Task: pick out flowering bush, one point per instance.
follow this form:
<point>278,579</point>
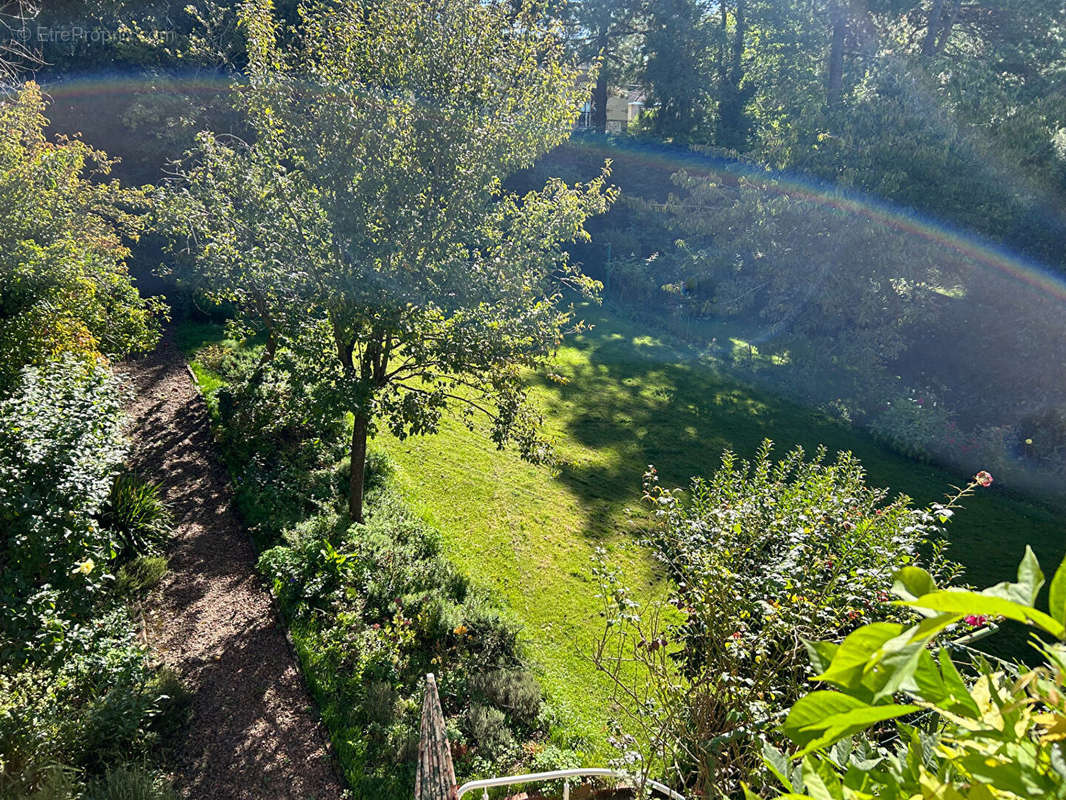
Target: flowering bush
<point>60,446</point>
<point>766,555</point>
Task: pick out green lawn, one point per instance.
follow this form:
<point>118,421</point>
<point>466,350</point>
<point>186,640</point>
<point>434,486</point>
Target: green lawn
<point>630,400</point>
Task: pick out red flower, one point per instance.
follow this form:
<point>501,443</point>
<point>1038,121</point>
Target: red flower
<point>975,619</point>
<point>983,478</point>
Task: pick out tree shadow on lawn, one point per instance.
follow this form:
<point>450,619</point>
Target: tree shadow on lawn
<point>638,400</point>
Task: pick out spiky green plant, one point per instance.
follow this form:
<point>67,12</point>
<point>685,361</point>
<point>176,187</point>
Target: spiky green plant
<point>137,515</point>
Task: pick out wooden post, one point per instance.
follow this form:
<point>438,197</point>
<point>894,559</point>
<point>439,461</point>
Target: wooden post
<point>435,778</point>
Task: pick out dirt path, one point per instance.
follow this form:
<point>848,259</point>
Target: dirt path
<point>252,732</point>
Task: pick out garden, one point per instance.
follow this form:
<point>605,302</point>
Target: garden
<point>347,341</point>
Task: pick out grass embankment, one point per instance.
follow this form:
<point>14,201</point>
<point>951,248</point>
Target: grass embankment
<point>630,400</point>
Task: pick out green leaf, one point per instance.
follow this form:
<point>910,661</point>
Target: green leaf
<point>849,661</point>
<point>912,582</point>
<point>814,708</point>
<point>1057,594</point>
<point>965,602</point>
<point>777,762</point>
<point>956,687</point>
<point>821,781</point>
<point>894,665</point>
<point>820,654</point>
<point>1008,773</point>
<point>1025,590</point>
<point>925,680</point>
<point>821,718</point>
<point>1057,758</point>
<point>1030,576</point>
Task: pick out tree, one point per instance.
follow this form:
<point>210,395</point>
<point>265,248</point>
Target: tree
<point>676,51</point>
<point>366,227</point>
<point>844,288</point>
<point>15,52</point>
<point>606,32</point>
<point>64,286</point>
<point>733,95</point>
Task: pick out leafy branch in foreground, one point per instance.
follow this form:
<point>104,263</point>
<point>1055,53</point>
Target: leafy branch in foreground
<point>996,734</point>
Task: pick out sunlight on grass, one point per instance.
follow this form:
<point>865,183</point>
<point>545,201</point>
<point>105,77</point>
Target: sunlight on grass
<point>622,400</point>
<point>529,532</point>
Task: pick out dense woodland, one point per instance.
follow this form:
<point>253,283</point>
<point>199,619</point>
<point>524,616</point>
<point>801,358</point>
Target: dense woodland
<point>441,333</point>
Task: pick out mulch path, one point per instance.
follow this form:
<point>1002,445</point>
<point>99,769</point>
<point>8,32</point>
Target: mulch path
<point>253,732</point>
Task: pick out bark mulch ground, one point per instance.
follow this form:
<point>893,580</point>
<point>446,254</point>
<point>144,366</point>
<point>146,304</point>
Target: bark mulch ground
<point>252,733</point>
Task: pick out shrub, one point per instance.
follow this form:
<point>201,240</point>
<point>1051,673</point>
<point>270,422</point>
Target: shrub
<point>990,731</point>
<point>488,728</point>
<point>766,555</point>
<point>511,689</point>
<point>282,457</point>
<point>34,731</point>
<point>66,288</point>
<point>136,513</point>
<point>129,783</point>
<point>913,423</point>
<point>87,698</point>
<point>1042,436</point>
<point>375,607</point>
<point>60,446</point>
<point>77,692</point>
<point>136,578</point>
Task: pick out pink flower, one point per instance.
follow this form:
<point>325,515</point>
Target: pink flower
<point>983,478</point>
<point>975,619</point>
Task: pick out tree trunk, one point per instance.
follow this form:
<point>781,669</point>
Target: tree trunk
<point>739,32</point>
<point>358,468</point>
<point>946,29</point>
<point>835,81</point>
<point>599,93</point>
<point>935,13</point>
<point>723,19</point>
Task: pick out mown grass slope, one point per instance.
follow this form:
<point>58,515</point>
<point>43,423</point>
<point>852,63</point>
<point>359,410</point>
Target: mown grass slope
<point>626,400</point>
<point>631,400</point>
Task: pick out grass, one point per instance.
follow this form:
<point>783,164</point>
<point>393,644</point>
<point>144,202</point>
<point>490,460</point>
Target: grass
<point>629,400</point>
<point>190,337</point>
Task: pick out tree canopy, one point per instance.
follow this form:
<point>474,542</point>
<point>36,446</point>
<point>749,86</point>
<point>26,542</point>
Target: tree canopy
<point>365,226</point>
<point>63,247</point>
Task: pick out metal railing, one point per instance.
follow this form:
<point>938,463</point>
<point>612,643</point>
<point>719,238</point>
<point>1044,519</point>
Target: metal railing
<point>564,775</point>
